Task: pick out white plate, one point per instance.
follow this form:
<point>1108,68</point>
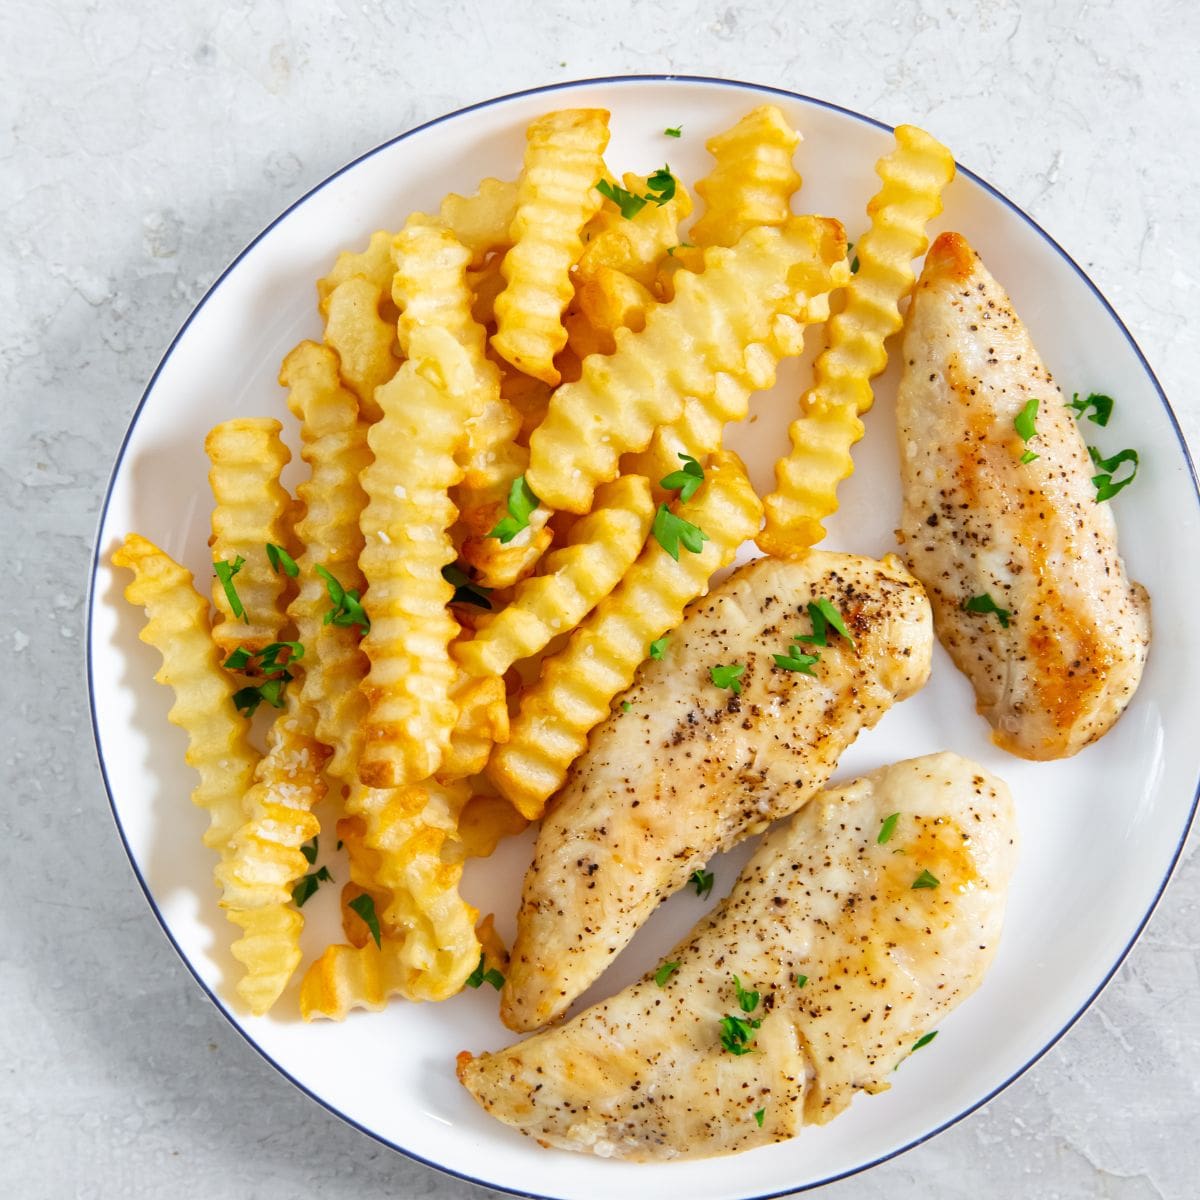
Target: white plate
<point>1100,832</point>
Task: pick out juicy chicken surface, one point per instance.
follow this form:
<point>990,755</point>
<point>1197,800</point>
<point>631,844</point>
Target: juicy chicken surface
<point>645,1075</point>
<point>979,522</point>
<point>690,769</point>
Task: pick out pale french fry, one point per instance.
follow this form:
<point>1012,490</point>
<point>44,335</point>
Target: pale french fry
<point>481,222</point>
<point>405,525</point>
<point>610,300</point>
<point>753,180</point>
<point>363,338</point>
<point>482,722</point>
<point>264,861</point>
<point>577,686</point>
<point>252,509</point>
<point>556,197</point>
<point>913,177</point>
<point>373,263</point>
<point>335,448</point>
<point>431,289</point>
<point>724,316</point>
<point>486,820</point>
<point>603,546</point>
<point>634,246</point>
<point>486,284</point>
<point>177,626</point>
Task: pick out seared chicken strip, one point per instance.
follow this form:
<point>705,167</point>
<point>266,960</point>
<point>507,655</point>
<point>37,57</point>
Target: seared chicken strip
<point>1056,667</point>
<point>852,964</point>
<point>685,768</point>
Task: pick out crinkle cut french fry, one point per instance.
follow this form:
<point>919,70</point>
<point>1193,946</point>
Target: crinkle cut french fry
<point>177,626</point>
<point>373,263</point>
<point>406,538</point>
<point>486,820</point>
<point>363,338</point>
<point>481,222</point>
<point>718,315</point>
<point>335,449</point>
<point>603,546</point>
<point>753,180</point>
<point>264,860</point>
<point>577,686</point>
<point>913,177</point>
<point>556,197</point>
<point>252,509</point>
<point>438,949</point>
<point>482,722</point>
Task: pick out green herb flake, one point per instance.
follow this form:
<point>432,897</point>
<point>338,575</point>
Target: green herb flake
<point>661,185</point>
<point>801,980</point>
<point>1106,489</point>
<point>246,700</point>
<point>985,604</point>
<point>225,571</point>
<point>484,974</point>
<point>670,531</point>
<point>758,1116</point>
<point>364,905</point>
<point>664,973</point>
<point>728,676</point>
<point>737,1034</point>
<point>626,706</point>
<point>278,557</point>
<point>923,1040</point>
<point>268,656</point>
<point>347,607</point>
<point>307,886</point>
<point>465,590</point>
<point>796,660</point>
<point>658,647</point>
<point>309,850</point>
<point>747,1000</point>
<point>686,481</point>
<point>272,689</point>
<point>702,881</point>
<point>674,131</point>
<point>854,265</point>
<point>521,503</point>
<point>1025,422</point>
<point>1029,457</point>
<point>629,204</point>
<point>887,829</point>
<point>238,660</point>
<point>1101,407</point>
<point>824,616</point>
<point>924,880</point>
<point>681,246</point>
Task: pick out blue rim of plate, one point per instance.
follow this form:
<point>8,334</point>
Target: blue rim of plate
<point>546,89</point>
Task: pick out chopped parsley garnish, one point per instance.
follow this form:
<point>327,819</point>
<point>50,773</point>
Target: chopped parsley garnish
<point>925,880</point>
<point>1025,423</point>
<point>225,571</point>
<point>658,647</point>
<point>1101,407</point>
<point>239,659</point>
<point>674,131</point>
<point>702,881</point>
<point>364,905</point>
<point>480,976</point>
<point>801,980</point>
<point>737,1034</point>
<point>246,700</point>
<point>309,849</point>
<point>758,1116</point>
<point>629,204</point>
<point>665,972</point>
<point>854,265</point>
<point>985,604</point>
<point>923,1040</point>
<point>670,530</point>
<point>887,829</point>
<point>268,656</point>
<point>661,185</point>
<point>625,706</point>
<point>1027,457</point>
<point>747,1000</point>
<point>1106,489</point>
<point>306,886</point>
<point>521,503</point>
<point>686,481</point>
<point>681,246</point>
<point>279,557</point>
<point>796,660</point>
<point>824,617</point>
<point>728,676</point>
<point>465,591</point>
<point>347,607</point>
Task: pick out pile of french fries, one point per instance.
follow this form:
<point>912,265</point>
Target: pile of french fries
<point>513,428</point>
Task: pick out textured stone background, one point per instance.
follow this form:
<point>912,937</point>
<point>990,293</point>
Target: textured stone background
<point>142,146</point>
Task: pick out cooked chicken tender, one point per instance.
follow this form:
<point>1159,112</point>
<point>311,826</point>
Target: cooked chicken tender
<point>684,768</point>
<point>1058,662</point>
<point>850,961</point>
